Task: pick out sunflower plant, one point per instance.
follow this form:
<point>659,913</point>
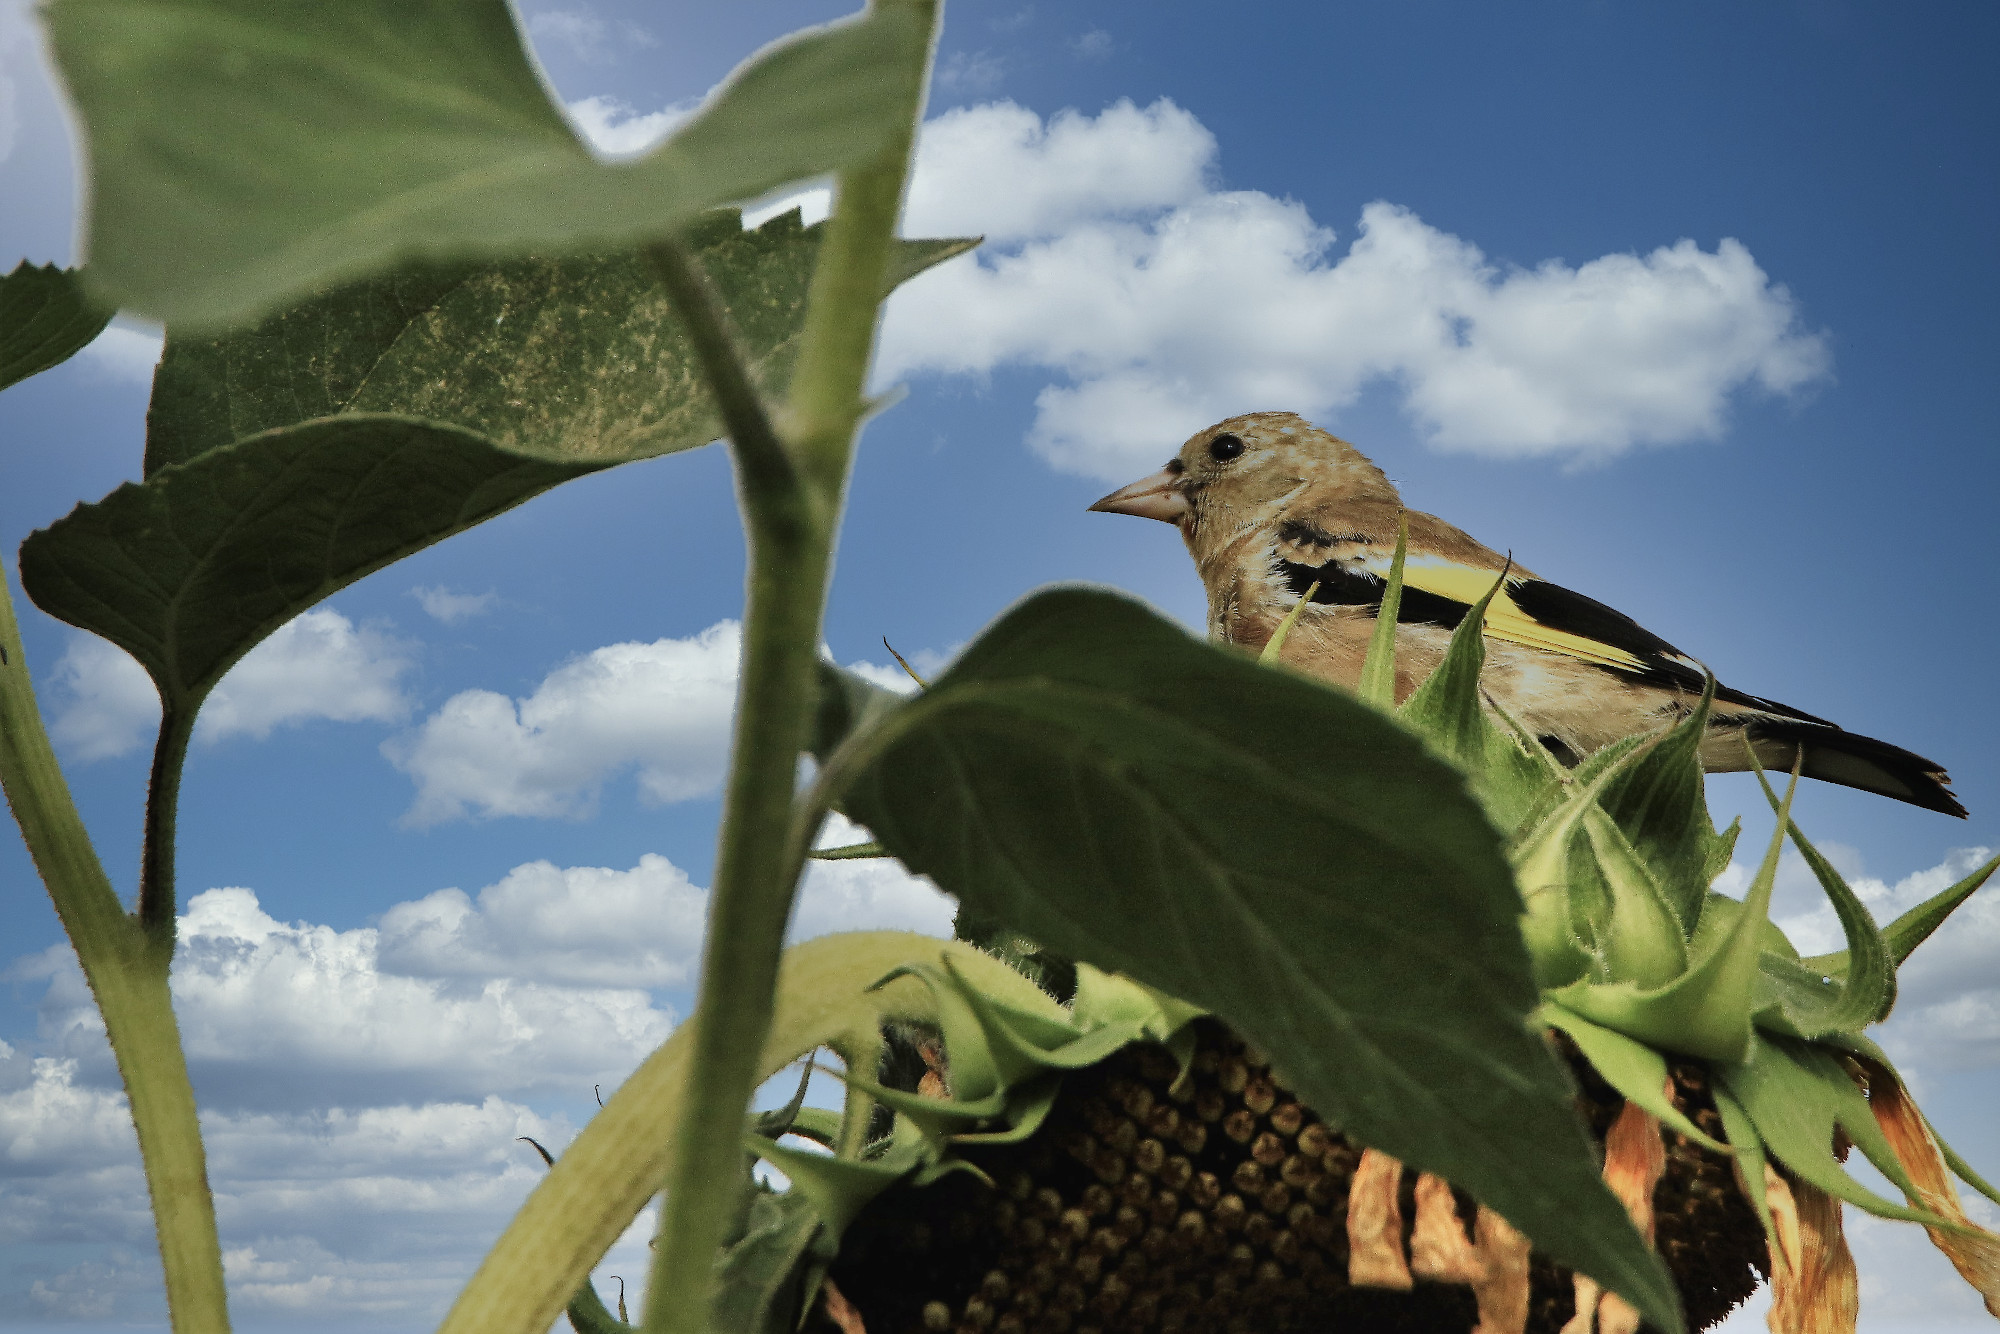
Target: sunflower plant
<point>1308,947</point>
<point>1104,1155</point>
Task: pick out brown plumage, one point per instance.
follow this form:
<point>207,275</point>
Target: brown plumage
<point>1270,505</point>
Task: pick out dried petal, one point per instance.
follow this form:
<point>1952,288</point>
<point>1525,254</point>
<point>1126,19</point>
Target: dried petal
<point>1502,1286</point>
<point>839,1310</point>
<point>1976,1257</point>
<point>1813,1284</point>
<point>1585,1319</point>
<point>1375,1224</point>
<point>1439,1248</point>
<point>1634,1158</point>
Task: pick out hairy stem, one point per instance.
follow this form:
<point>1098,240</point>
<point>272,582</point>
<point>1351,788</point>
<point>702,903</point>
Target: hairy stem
<point>763,464</point>
<point>791,530</point>
<point>163,801</point>
<point>127,968</point>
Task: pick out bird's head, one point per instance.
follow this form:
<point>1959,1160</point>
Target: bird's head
<point>1241,475</point>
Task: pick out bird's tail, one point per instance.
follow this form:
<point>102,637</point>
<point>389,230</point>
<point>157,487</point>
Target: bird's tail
<point>1852,760</point>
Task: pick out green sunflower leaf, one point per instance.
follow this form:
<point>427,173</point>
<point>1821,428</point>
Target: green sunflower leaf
<point>589,1315</point>
<point>1450,711</point>
<point>766,1276</point>
<point>46,318</point>
<point>1271,850</point>
<point>1378,669</point>
<point>1816,1004</point>
<point>1707,1011</point>
<point>243,153</point>
<point>1914,927</point>
<point>1659,801</point>
<point>1741,1133</point>
<point>287,460</point>
<point>1796,1094</point>
<point>1633,1068</point>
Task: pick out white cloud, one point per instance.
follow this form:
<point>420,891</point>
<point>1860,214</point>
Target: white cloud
<point>17,48</point>
<point>998,171</point>
<point>971,73</point>
<point>587,36</point>
<point>363,1089</point>
<point>125,353</point>
<point>371,1212</point>
<point>616,130</point>
<point>1164,304</point>
<point>591,926</point>
<point>582,926</point>
<point>663,707</point>
<point>104,703</point>
<point>1093,45</point>
<point>443,605</point>
<point>258,997</point>
<point>873,894</point>
<point>319,665</point>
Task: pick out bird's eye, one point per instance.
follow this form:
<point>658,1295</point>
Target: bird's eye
<point>1224,448</point>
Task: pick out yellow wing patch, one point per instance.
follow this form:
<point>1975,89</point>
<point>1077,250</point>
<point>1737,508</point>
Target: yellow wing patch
<point>1504,620</point>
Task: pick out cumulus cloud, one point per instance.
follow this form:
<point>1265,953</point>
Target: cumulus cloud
<point>369,1212</point>
<point>257,996</point>
<point>583,33</point>
<point>105,704</point>
<point>319,666</point>
<point>592,926</point>
<point>874,894</point>
<point>971,73</point>
<point>363,1089</point>
<point>1073,170</point>
<point>1096,44</point>
<point>580,926</point>
<point>615,129</point>
<point>1162,303</point>
<point>449,608</point>
<point>663,708</point>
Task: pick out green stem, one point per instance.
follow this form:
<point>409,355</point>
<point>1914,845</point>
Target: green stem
<point>127,968</point>
<point>791,522</point>
<point>766,469</point>
<point>163,800</point>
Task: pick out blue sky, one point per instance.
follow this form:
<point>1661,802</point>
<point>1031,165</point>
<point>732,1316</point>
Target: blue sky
<point>1688,306</point>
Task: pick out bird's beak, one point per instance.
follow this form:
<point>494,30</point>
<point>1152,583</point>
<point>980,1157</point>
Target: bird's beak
<point>1156,497</point>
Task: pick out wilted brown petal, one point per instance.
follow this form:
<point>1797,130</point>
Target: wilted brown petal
<point>1587,1293</point>
<point>839,1310</point>
<point>1439,1248</point>
<point>1502,1287</point>
<point>1976,1257</point>
<point>1634,1158</point>
<point>1375,1224</point>
<point>1813,1284</point>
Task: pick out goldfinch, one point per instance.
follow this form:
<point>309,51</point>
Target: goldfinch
<point>1270,506</point>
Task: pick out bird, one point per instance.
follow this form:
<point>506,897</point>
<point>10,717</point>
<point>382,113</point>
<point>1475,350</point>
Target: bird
<point>1273,508</point>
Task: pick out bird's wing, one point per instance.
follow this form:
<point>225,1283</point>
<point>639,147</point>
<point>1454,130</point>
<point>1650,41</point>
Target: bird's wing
<point>1538,614</point>
<point>1534,613</point>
